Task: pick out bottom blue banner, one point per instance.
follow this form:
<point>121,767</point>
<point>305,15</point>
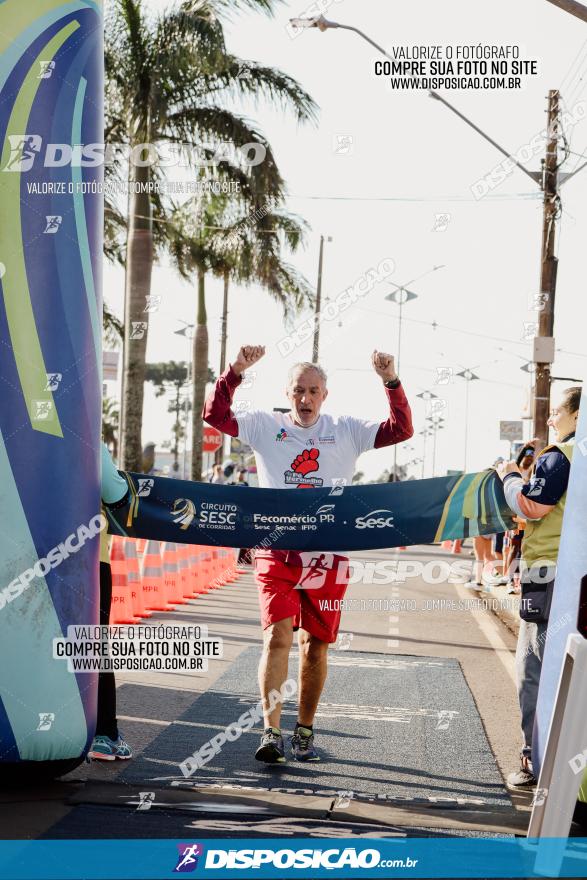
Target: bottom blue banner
<point>300,857</point>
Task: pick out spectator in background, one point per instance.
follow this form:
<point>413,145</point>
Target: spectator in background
<point>541,503</point>
<point>241,479</point>
<point>218,475</point>
<point>514,538</point>
<point>484,559</point>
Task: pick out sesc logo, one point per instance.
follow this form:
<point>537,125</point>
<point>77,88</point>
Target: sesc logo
<point>183,512</point>
<point>377,519</point>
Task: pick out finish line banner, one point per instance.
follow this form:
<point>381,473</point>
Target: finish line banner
<point>339,518</point>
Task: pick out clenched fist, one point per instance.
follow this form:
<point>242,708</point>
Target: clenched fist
<point>384,365</point>
<point>247,356</point>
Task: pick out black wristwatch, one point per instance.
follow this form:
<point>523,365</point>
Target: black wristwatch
<point>392,383</point>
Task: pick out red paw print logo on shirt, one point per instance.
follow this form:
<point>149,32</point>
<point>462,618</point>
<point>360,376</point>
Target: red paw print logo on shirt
<point>306,463</point>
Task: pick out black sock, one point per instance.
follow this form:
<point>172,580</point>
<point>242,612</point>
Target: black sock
<point>309,727</point>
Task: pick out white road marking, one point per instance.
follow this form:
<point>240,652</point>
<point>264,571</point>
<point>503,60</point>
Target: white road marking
<point>491,633</point>
<point>383,662</point>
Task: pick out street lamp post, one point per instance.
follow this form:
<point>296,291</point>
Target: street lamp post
<point>571,6</point>
<point>401,295</point>
<point>186,331</point>
<point>316,344</point>
<point>425,433</point>
<point>318,21</point>
<point>435,426</point>
<point>469,376</point>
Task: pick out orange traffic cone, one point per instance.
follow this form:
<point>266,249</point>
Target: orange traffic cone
<point>133,577</point>
<point>171,574</point>
<point>200,566</point>
<point>215,573</point>
<point>154,592</point>
<point>230,564</point>
<point>184,571</point>
<point>227,557</point>
<point>219,577</point>
<point>121,606</point>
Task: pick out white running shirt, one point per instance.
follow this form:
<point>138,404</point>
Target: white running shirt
<point>291,457</point>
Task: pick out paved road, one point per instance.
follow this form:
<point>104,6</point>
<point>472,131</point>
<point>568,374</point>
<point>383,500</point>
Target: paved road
<point>418,724</point>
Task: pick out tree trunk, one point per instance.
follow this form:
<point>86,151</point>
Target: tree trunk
<point>176,427</point>
<point>139,264</point>
<point>224,331</point>
<point>200,373</point>
<point>224,323</point>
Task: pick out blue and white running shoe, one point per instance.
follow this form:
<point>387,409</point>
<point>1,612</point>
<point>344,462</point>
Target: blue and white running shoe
<point>105,749</point>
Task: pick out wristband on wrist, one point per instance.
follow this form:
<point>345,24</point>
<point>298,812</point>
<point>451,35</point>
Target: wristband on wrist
<point>392,383</point>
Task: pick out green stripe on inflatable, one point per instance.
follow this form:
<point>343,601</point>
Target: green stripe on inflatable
<point>33,683</point>
<point>21,24</point>
<point>81,227</point>
<point>473,505</point>
<point>19,311</point>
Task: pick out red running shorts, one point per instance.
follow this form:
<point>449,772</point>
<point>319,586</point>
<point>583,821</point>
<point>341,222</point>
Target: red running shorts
<point>307,586</point>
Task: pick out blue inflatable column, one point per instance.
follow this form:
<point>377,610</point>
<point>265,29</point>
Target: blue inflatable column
<point>51,222</point>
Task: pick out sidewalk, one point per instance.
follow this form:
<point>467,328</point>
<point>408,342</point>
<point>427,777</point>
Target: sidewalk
<point>504,605</point>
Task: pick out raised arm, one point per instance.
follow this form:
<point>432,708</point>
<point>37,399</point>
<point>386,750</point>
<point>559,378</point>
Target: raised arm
<point>398,426</point>
<point>217,407</point>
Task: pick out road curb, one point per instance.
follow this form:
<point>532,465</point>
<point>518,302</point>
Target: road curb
<point>505,606</point>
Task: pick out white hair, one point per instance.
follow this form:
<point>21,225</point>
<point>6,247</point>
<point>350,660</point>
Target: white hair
<point>303,367</point>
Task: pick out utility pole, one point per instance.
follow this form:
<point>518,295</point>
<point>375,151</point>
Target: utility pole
<point>219,454</point>
<point>544,342</point>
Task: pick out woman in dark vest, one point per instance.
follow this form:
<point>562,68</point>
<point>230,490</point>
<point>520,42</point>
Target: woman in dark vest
<point>541,503</point>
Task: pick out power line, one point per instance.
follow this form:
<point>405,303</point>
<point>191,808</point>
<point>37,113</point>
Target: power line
<point>496,197</point>
<point>428,370</point>
<point>436,325</point>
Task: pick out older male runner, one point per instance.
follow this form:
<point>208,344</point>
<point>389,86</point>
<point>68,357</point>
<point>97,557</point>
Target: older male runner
<point>303,448</point>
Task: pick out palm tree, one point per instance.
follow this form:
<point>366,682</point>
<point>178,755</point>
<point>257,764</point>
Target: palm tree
<point>239,247</point>
<point>110,425</point>
<point>167,81</point>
